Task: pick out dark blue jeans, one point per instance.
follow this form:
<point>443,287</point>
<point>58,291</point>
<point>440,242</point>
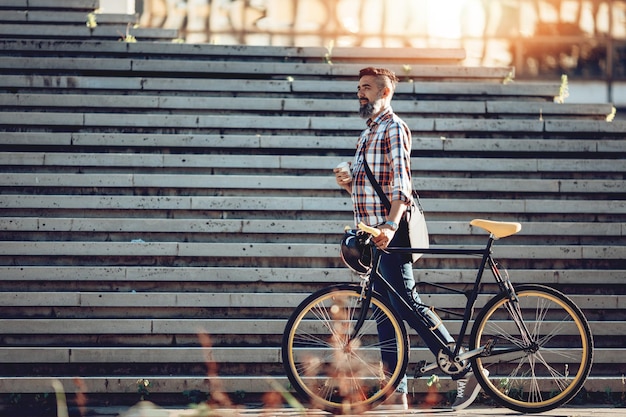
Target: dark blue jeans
<point>398,271</point>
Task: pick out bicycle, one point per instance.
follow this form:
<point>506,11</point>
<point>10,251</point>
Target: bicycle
<point>534,341</point>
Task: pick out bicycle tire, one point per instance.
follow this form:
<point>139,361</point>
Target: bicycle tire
<point>553,366</point>
<point>332,374</point>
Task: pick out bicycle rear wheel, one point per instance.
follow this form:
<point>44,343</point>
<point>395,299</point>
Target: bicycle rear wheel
<point>333,368</point>
<point>542,349</point>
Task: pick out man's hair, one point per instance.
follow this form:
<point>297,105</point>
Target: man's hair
<point>381,73</point>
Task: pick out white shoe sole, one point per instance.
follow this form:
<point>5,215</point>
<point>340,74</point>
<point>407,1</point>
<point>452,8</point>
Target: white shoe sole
<point>472,397</point>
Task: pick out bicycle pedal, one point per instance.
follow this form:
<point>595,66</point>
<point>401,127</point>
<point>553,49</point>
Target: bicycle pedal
<point>488,348</point>
<point>419,369</point>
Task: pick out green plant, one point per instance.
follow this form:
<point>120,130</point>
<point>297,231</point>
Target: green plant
<point>451,396</point>
<point>328,56</point>
<point>433,380</point>
<point>504,385</point>
<point>240,395</point>
<point>581,398</point>
<point>433,396</point>
<point>128,37</point>
<point>608,395</point>
<point>407,72</point>
<point>42,403</point>
<point>563,90</point>
<point>195,396</point>
<point>15,398</point>
<point>509,78</point>
<point>202,410</point>
<point>611,116</point>
<point>91,21</point>
<point>142,388</point>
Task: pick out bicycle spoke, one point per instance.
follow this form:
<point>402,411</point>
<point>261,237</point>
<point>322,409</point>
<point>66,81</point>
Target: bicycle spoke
<point>554,342</point>
<point>534,391</point>
<point>515,313</point>
<point>330,364</point>
<point>496,329</point>
<point>559,329</point>
<point>557,377</point>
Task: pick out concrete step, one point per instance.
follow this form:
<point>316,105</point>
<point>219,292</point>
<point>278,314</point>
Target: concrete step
<point>449,90</point>
<point>303,142</point>
<point>208,67</point>
<point>267,125</point>
<point>65,5</point>
<point>229,384</point>
<point>157,300</point>
<point>296,184</point>
<point>205,275</point>
<point>259,105</point>
<point>264,124</point>
<point>81,31</point>
<point>183,354</point>
<point>224,250</point>
<point>304,163</point>
<point>252,226</point>
<point>488,207</point>
<point>361,55</point>
<point>52,16</point>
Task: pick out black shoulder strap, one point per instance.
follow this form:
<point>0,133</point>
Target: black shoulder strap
<point>376,185</point>
<point>382,195</point>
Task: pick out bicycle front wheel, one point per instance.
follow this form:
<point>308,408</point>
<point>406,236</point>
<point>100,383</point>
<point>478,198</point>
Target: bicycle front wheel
<point>335,368</point>
<point>541,349</point>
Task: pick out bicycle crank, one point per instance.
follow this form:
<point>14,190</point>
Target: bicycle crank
<point>449,366</point>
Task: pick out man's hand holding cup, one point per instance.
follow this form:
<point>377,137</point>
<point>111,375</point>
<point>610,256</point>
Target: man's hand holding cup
<point>343,175</point>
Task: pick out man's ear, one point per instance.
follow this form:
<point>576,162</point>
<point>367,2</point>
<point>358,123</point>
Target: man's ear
<point>386,91</point>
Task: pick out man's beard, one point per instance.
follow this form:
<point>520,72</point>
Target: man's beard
<point>368,110</point>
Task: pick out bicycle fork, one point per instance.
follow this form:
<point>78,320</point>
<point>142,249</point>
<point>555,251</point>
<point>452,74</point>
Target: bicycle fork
<point>366,297</point>
<point>512,305</point>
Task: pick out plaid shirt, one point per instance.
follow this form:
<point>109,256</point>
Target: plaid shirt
<point>386,143</point>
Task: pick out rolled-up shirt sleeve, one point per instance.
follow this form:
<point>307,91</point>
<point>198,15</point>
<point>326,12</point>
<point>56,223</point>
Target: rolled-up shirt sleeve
<point>399,139</point>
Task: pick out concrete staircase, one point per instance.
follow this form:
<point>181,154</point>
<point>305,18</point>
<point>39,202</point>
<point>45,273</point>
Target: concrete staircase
<point>153,191</point>
<point>72,19</point>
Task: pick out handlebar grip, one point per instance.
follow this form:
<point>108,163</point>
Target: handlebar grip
<point>368,229</point>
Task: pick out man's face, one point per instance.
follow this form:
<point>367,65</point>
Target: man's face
<point>370,97</point>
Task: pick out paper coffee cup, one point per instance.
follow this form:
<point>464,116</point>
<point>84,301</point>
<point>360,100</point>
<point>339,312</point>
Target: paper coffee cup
<point>345,167</point>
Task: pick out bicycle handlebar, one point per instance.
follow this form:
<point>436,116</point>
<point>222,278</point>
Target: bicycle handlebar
<point>368,229</point>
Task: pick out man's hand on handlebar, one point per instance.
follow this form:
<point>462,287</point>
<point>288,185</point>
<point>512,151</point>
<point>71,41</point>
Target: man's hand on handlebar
<point>381,236</point>
<point>385,237</point>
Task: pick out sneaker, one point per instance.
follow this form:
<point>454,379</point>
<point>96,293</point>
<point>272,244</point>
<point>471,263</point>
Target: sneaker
<point>467,391</point>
